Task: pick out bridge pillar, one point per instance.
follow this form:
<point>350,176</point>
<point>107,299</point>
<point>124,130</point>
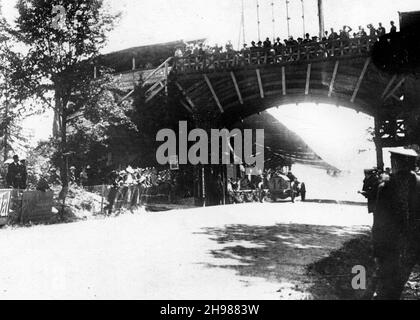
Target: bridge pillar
<point>207,189</point>
<point>378,144</point>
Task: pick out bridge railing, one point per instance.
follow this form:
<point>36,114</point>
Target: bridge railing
<point>277,55</point>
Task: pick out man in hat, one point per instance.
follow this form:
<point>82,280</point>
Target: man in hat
<point>370,188</point>
<point>14,174</point>
<point>396,231</point>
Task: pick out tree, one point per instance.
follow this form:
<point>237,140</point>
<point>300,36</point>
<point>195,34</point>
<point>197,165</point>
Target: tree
<point>63,39</point>
<point>11,111</point>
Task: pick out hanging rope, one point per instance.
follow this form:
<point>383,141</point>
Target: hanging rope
<point>273,20</point>
<point>288,18</point>
<point>258,20</point>
<point>303,18</point>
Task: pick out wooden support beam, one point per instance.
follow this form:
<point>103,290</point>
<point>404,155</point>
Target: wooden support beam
<point>283,79</point>
<point>399,84</point>
<point>308,79</point>
<point>260,85</point>
<point>238,92</point>
<point>185,94</point>
<point>186,107</point>
<point>334,76</point>
<point>391,82</point>
<point>213,93</point>
<point>154,93</point>
<point>359,82</point>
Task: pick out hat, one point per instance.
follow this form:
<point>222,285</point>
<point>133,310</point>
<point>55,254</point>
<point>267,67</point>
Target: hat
<point>404,152</point>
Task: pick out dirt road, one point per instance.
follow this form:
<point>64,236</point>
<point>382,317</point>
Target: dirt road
<point>251,251</point>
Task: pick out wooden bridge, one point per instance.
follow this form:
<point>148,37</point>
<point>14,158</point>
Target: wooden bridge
<point>235,85</point>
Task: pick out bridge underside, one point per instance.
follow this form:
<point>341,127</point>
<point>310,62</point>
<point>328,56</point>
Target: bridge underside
<point>352,82</point>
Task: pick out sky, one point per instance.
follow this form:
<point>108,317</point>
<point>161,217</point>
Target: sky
<point>154,21</point>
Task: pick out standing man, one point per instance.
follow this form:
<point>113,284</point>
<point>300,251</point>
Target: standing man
<point>393,27</point>
<point>381,30</point>
<point>14,174</point>
<point>396,227</point>
<point>370,188</point>
<point>303,191</point>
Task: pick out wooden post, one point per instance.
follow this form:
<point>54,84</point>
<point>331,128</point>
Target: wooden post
<point>378,144</point>
<point>321,19</point>
<point>102,199</point>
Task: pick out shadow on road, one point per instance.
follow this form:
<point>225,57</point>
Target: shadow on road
<point>279,253</point>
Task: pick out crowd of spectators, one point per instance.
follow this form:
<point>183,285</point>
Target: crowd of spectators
<point>344,34</point>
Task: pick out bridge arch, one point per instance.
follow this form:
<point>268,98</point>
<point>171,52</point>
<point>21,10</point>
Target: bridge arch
<point>239,92</point>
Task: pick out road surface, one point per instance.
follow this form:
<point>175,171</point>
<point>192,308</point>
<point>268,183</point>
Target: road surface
<point>250,251</point>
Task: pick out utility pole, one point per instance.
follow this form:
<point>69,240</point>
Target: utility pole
<point>321,19</point>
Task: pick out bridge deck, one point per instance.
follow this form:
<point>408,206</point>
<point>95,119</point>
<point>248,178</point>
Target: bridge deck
<point>307,52</point>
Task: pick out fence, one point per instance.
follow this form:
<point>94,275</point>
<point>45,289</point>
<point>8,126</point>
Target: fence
<point>23,206</point>
<point>114,199</point>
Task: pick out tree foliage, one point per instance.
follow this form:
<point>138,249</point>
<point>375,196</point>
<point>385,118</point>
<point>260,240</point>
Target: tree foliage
<point>63,38</point>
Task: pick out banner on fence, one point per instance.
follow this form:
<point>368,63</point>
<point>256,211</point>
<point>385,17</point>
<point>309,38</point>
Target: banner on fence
<point>4,203</point>
<point>36,206</point>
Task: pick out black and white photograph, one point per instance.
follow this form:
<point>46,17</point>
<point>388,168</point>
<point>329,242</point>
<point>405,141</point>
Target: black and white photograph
<point>234,151</point>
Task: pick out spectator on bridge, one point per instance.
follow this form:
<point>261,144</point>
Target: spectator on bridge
<point>345,32</point>
<point>229,46</point>
<point>361,33</point>
<point>333,35</point>
<point>372,30</point>
<point>307,38</point>
<point>325,37</point>
<point>253,46</point>
<point>244,49</point>
<point>267,44</point>
<point>278,43</point>
<point>393,27</point>
<point>292,41</point>
<point>381,30</point>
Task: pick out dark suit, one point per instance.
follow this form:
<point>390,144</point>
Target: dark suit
<point>15,175</point>
<point>395,233</point>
